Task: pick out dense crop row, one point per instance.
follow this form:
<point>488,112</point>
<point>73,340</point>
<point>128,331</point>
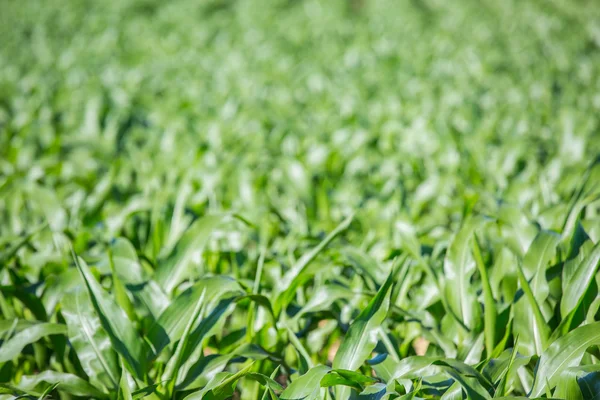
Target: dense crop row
<point>299,199</point>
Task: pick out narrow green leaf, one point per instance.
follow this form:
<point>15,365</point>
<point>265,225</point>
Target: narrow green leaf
<point>173,269</point>
<point>323,297</point>
<point>13,347</point>
<point>122,255</point>
<point>539,330</point>
<point>466,371</point>
<point>347,378</point>
<point>374,392</point>
<point>361,338</point>
<point>221,386</point>
<point>8,254</point>
<point>536,261</point>
<point>567,386</point>
<point>565,352</point>
<point>490,312</point>
<point>120,330</point>
<point>69,383</point>
<point>470,387</point>
<point>268,391</point>
<point>577,282</point>
<point>502,388</point>
<point>9,326</point>
<point>124,392</point>
<point>57,286</point>
<point>145,392</point>
<point>333,380</point>
<point>294,277</point>
<point>264,380</point>
<point>300,348</point>
<point>589,384</point>
<point>454,392</point>
<point>48,390</point>
<point>307,386</point>
<point>207,326</point>
<point>119,291</point>
<point>170,374</point>
<point>90,341</point>
<point>206,368</point>
<point>7,389</point>
<point>408,368</point>
<point>458,268</point>
<point>169,327</point>
<point>48,203</point>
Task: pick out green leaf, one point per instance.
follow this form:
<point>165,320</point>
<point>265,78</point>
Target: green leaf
<point>8,254</point>
<point>408,368</point>
<point>323,297</point>
<point>454,392</point>
<point>567,386</point>
<point>466,371</point>
<point>10,325</point>
<point>13,347</point>
<point>6,389</point>
<point>48,203</point>
<point>123,258</point>
<point>536,261</point>
<point>490,312</point>
<point>207,326</point>
<point>203,370</point>
<point>373,392</point>
<point>90,341</point>
<point>307,386</point>
<point>471,387</point>
<point>221,386</point>
<point>348,378</point>
<point>562,354</point>
<point>169,327</point>
<point>57,286</point>
<point>576,282</point>
<point>121,296</point>
<point>124,392</point>
<point>170,374</point>
<point>458,268</point>
<point>495,369</point>
<point>173,269</point>
<point>264,380</point>
<point>297,274</point>
<point>502,388</point>
<point>589,383</point>
<point>300,348</point>
<point>144,392</point>
<point>537,332</point>
<point>579,383</point>
<point>69,383</point>
<point>48,390</point>
<point>120,330</point>
<point>332,380</point>
<point>529,322</point>
<point>269,391</point>
<point>365,264</point>
<point>361,338</point>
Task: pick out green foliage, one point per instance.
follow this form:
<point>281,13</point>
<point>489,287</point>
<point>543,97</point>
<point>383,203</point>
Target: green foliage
<point>299,199</point>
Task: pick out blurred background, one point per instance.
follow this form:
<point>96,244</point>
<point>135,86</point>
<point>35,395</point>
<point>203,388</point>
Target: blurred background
<point>295,110</point>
